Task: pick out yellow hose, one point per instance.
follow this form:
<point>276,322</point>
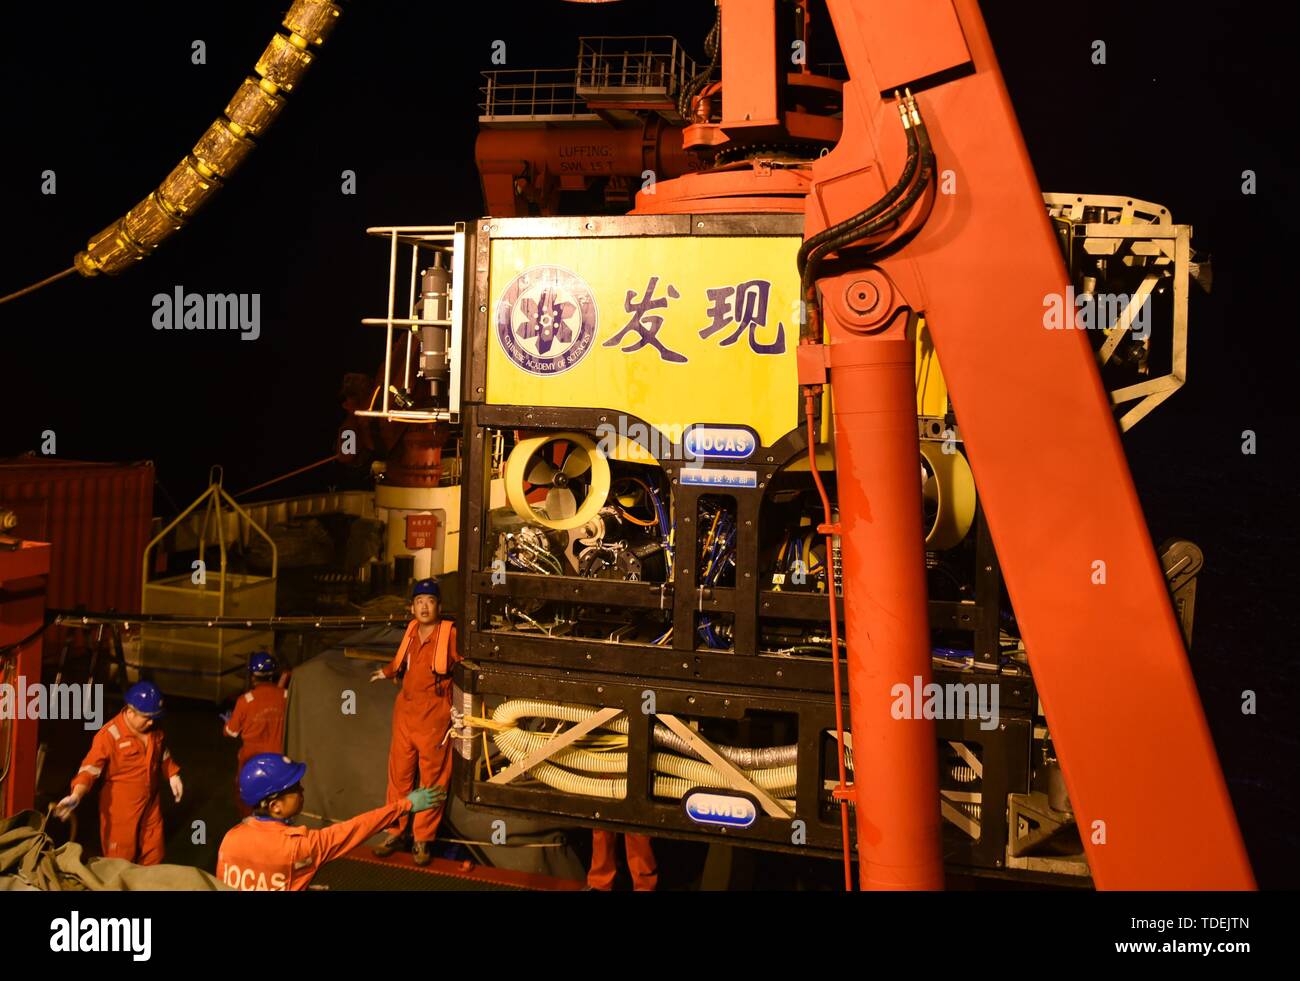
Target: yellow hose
<point>674,775</point>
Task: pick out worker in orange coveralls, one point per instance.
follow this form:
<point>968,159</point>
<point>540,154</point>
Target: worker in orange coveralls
<point>640,861</point>
<point>258,716</point>
<point>421,716</point>
<point>129,754</point>
<point>265,852</point>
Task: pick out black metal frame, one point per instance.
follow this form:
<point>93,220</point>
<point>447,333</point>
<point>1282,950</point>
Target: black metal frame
<point>1005,753</point>
<point>686,679</point>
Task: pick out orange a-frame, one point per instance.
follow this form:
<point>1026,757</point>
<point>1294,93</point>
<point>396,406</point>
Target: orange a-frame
<point>1089,594</point>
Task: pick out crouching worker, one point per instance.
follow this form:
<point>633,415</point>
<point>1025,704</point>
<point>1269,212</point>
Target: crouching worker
<point>258,716</point>
<point>419,752</point>
<point>266,852</point>
<point>129,754</point>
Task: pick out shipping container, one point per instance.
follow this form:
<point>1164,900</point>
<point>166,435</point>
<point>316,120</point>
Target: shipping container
<point>97,519</point>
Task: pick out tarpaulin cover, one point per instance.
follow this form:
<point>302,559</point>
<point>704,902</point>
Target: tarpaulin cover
<point>30,861</point>
<point>344,739</point>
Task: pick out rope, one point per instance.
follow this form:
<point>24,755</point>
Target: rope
<point>286,476</point>
<point>83,618</point>
<point>71,822</point>
<point>35,286</point>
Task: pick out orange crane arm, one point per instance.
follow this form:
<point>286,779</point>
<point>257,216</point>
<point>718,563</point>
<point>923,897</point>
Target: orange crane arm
<point>1105,648</point>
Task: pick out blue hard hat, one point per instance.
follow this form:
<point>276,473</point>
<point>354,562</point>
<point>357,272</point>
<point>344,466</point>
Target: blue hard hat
<point>146,699</point>
<point>266,775</point>
<point>426,587</point>
<point>260,662</point>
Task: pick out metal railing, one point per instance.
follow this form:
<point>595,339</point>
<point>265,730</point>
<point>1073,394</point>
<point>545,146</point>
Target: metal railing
<point>646,65</point>
<point>650,64</point>
<point>423,240</point>
<point>530,92</point>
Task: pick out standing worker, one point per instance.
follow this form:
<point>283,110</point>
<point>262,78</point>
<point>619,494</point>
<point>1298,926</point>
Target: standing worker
<point>129,754</point>
<point>266,852</point>
<point>419,753</point>
<point>258,717</point>
<point>640,861</point>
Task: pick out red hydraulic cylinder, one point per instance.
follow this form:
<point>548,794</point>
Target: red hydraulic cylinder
<point>23,573</point>
<point>895,775</point>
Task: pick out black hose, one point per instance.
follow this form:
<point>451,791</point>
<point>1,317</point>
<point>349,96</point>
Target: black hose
<point>860,226</point>
<point>905,178</point>
<point>847,238</point>
<point>872,220</point>
<point>712,48</point>
<point>10,648</point>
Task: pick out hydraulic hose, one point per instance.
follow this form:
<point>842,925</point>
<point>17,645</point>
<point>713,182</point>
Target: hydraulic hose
<point>712,48</point>
<point>842,788</point>
<point>509,713</point>
<point>674,775</point>
<point>517,744</point>
<point>220,150</point>
<point>878,216</point>
<point>574,783</point>
<point>745,757</point>
<point>869,227</point>
<point>615,760</point>
<point>703,775</point>
<point>664,785</point>
<point>890,196</point>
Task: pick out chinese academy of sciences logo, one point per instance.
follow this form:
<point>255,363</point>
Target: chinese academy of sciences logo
<point>546,320</point>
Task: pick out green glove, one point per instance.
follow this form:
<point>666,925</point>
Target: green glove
<point>426,798</point>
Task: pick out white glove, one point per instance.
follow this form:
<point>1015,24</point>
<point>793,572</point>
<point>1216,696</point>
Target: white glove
<point>177,787</point>
<point>378,675</point>
<point>66,806</point>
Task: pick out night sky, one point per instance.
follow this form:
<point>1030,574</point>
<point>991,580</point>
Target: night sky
<point>1190,97</point>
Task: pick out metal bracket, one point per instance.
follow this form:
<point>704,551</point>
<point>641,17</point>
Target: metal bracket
<point>1034,806</point>
<point>559,742</point>
<point>1139,233</point>
<point>725,767</point>
<point>949,798</point>
<point>1182,562</point>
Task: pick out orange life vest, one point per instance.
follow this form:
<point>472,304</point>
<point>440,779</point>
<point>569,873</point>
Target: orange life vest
<point>442,649</point>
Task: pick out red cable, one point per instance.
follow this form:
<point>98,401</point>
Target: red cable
<point>835,639</point>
